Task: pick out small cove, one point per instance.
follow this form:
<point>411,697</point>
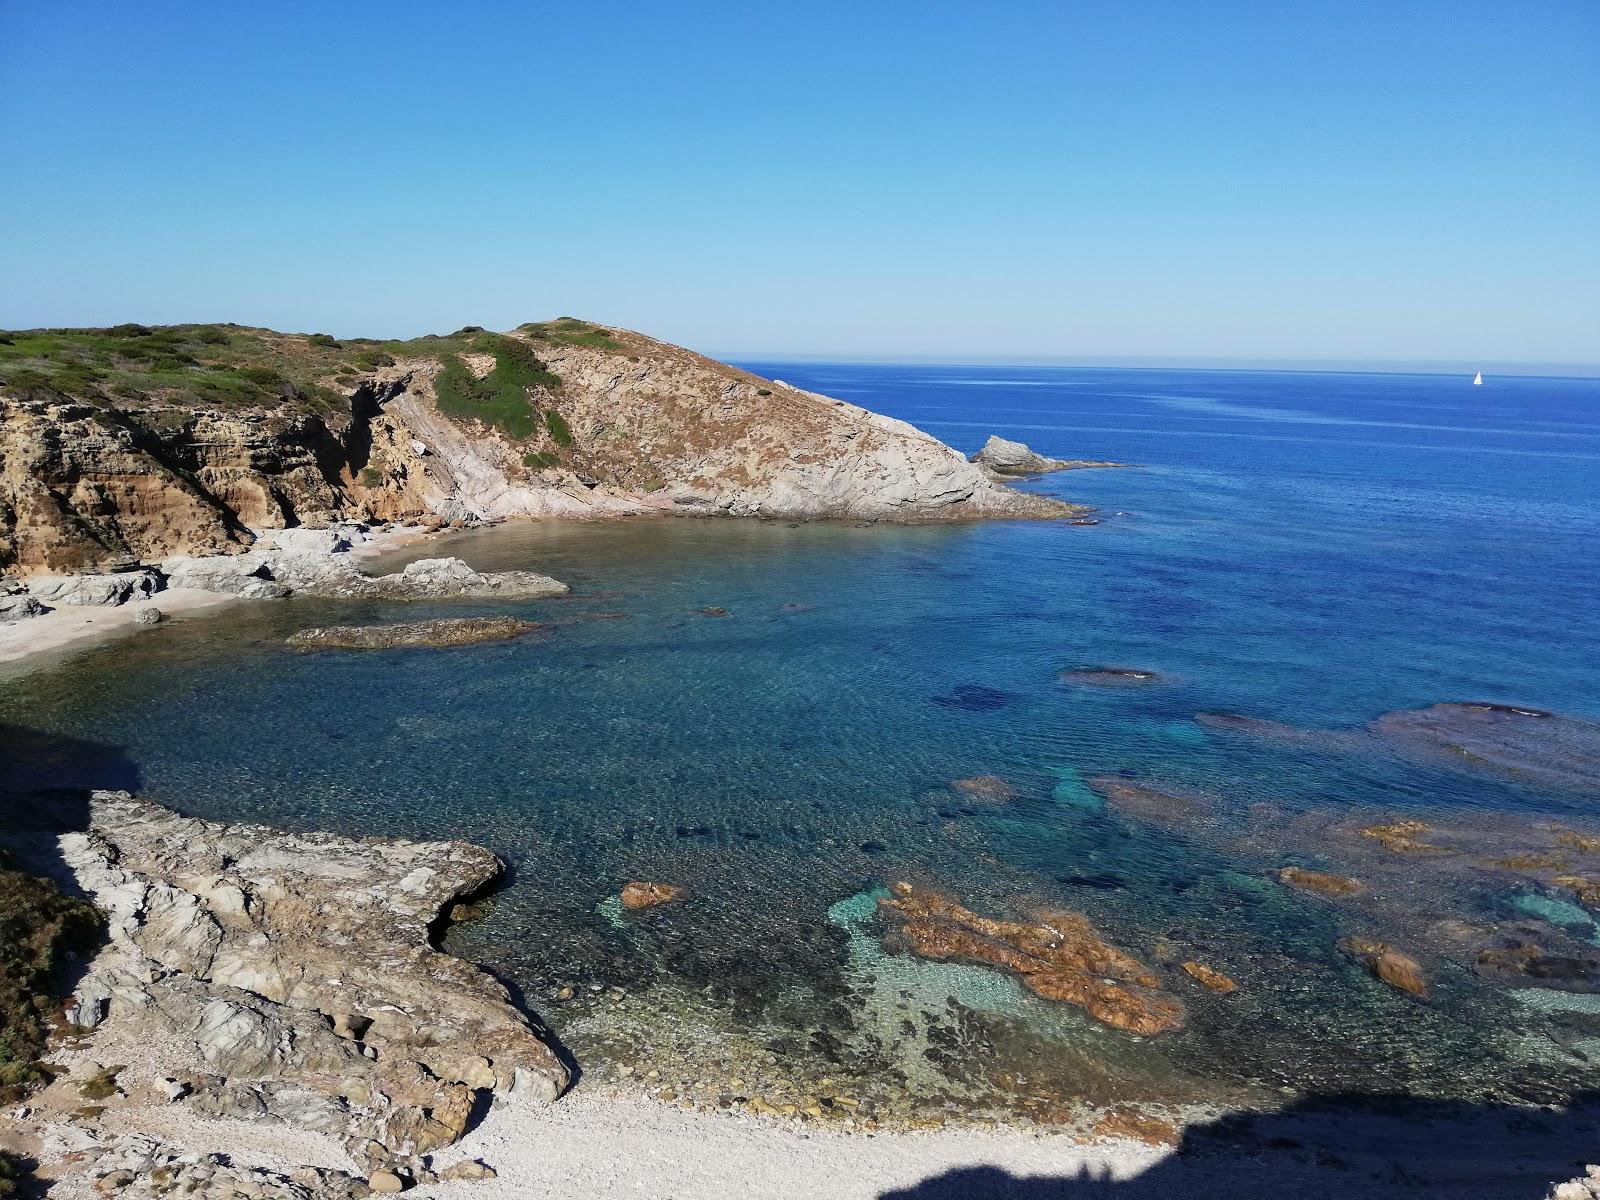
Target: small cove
<point>1284,551</point>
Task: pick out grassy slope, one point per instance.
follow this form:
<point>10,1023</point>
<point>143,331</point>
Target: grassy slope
<point>230,366</point>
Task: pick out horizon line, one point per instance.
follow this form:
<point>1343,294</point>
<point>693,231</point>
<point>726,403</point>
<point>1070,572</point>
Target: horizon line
<point>1311,366</point>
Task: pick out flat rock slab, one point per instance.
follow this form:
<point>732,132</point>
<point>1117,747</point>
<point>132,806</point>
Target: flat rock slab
<point>463,631</point>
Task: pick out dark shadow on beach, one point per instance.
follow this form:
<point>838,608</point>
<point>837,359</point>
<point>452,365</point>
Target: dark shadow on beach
<point>1342,1147</point>
<point>45,784</point>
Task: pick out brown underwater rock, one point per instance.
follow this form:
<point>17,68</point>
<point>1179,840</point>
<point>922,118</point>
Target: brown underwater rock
<point>464,631</point>
<point>1323,883</point>
<point>638,895</point>
<point>1210,977</point>
<point>1060,957</point>
<point>1395,968</point>
<point>1401,837</point>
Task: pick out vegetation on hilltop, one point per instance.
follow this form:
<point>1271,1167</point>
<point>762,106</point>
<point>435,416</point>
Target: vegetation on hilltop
<point>231,366</point>
<point>38,927</point>
<point>570,331</point>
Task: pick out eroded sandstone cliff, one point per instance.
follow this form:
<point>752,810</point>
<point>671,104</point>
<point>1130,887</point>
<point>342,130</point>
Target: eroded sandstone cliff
<point>97,472</point>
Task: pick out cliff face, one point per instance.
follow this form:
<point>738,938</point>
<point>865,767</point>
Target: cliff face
<point>613,424</point>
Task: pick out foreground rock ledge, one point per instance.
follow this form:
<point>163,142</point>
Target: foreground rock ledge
<point>291,978</point>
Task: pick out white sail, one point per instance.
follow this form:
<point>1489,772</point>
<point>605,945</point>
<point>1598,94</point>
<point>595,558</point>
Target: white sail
<point>1477,380</point>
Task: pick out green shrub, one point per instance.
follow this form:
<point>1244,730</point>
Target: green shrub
<point>374,358</point>
<point>322,339</point>
<point>371,477</point>
<point>572,332</point>
<point>12,1172</point>
<point>560,431</point>
<point>211,336</point>
<point>38,926</point>
<point>128,331</point>
<point>500,398</point>
<point>265,376</point>
<point>539,459</point>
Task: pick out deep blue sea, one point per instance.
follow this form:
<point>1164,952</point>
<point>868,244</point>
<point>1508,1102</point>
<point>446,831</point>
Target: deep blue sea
<point>1313,549</point>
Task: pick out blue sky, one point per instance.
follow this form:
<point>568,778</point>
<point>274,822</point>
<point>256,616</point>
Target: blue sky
<point>1116,182</point>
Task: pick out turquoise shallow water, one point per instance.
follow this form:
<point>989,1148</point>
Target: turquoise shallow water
<point>1313,549</point>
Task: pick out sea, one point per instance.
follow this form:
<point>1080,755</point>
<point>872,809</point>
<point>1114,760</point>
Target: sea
<point>1309,550</point>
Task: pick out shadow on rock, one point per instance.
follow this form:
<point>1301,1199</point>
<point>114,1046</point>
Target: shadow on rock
<point>1333,1148</point>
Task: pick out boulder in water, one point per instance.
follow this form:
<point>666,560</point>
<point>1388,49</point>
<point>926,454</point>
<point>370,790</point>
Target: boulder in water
<point>1210,977</point>
<point>1397,969</point>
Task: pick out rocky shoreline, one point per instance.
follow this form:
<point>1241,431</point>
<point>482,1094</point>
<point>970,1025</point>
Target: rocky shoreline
<point>283,979</point>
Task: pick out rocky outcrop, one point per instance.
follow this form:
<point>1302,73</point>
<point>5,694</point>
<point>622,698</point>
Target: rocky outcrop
<point>464,631</point>
<point>638,427</point>
<point>119,587</point>
<point>16,604</point>
<point>291,978</point>
<point>96,488</point>
<point>1006,458</point>
<point>270,575</point>
<point>1060,957</point>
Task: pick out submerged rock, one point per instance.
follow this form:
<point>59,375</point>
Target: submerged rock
<point>1060,957</point>
<point>1323,883</point>
<point>1401,837</point>
<point>638,895</point>
<point>1168,808</point>
<point>1003,457</point>
<point>1527,745</point>
<point>974,698</point>
<point>1109,677</point>
<point>1210,977</point>
<point>463,631</point>
<point>991,789</point>
<point>292,977</point>
<point>1397,969</point>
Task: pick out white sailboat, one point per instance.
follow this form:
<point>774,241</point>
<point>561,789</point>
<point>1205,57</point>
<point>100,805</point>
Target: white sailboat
<point>1477,380</point>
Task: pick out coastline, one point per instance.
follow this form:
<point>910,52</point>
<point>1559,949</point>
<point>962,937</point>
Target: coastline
<point>31,643</point>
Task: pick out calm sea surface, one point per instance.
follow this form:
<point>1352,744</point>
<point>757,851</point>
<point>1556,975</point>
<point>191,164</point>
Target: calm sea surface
<point>1316,549</point>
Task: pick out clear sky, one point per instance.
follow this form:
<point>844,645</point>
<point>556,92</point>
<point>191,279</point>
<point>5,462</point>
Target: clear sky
<point>1117,181</point>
